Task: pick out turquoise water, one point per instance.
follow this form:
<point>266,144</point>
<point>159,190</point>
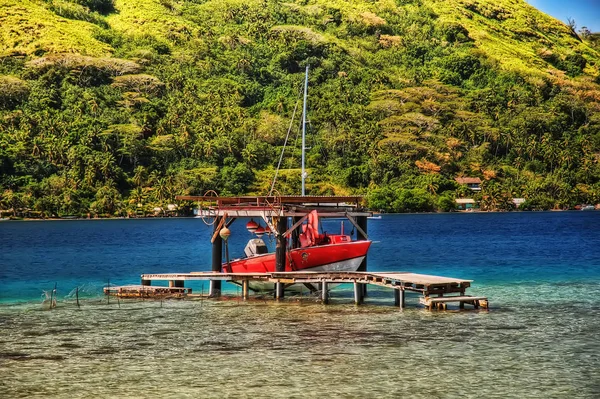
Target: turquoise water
<point>541,272</point>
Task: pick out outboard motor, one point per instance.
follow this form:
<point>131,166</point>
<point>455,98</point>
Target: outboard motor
<point>255,246</point>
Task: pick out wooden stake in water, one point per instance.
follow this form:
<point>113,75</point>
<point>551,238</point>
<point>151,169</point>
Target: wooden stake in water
<point>52,297</point>
<point>77,297</point>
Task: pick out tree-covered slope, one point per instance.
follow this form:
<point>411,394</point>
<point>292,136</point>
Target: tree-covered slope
<point>105,105</point>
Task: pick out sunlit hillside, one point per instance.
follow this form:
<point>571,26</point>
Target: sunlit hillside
<point>106,105</point>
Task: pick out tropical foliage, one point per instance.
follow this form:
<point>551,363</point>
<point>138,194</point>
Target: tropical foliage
<point>114,107</point>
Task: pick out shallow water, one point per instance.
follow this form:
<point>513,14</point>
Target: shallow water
<point>540,339</point>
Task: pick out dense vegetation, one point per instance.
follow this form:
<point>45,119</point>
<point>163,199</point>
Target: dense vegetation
<point>108,105</point>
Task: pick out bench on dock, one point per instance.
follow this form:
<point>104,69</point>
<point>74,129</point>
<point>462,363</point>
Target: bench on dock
<point>442,301</point>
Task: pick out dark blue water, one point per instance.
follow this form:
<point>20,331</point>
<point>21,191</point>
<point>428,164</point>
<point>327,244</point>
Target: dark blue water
<point>541,272</point>
<point>489,248</point>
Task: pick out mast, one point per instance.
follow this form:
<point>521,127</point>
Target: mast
<point>304,174</point>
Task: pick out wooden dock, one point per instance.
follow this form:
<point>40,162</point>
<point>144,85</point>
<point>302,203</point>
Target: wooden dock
<point>145,291</point>
<point>436,291</point>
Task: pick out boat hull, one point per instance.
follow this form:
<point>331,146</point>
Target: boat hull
<point>303,259</point>
<point>349,265</point>
<point>324,258</point>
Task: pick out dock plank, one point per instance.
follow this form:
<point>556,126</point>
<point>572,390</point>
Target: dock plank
<point>421,279</point>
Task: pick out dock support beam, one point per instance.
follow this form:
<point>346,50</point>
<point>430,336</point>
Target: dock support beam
<point>280,253</point>
<point>280,248</point>
<point>324,296</point>
<point>296,233</point>
<point>278,290</point>
<point>362,223</point>
<point>245,284</point>
<point>399,298</point>
<point>217,263</point>
<point>358,293</point>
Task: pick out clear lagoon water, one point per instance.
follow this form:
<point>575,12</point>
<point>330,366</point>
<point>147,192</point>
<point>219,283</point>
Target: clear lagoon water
<point>541,272</point>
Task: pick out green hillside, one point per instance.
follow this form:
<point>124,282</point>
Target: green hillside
<point>108,105</point>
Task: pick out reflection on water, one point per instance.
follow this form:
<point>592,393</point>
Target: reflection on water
<point>532,343</point>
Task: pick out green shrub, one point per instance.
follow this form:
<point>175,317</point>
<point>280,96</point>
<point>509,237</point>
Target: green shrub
<point>102,6</point>
<point>454,32</point>
<point>13,91</point>
<point>77,11</point>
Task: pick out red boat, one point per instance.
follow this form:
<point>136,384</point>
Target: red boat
<point>316,252</point>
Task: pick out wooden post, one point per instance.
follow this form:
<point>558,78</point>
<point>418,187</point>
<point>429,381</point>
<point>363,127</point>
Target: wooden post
<point>296,234</point>
<point>52,297</point>
<point>245,284</point>
<point>280,248</point>
<point>217,262</point>
<point>362,222</point>
<point>280,253</point>
<point>358,293</point>
<point>324,296</point>
<point>401,298</point>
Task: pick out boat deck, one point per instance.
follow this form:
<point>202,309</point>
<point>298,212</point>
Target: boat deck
<point>435,290</point>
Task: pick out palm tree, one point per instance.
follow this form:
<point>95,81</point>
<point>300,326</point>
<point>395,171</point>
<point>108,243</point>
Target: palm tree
<point>139,176</point>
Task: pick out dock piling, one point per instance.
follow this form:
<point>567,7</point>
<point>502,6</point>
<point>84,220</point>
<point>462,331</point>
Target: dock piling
<point>245,290</point>
<point>217,261</point>
<point>399,297</point>
<point>362,223</point>
<point>358,293</point>
<point>280,246</point>
<point>279,290</point>
<point>324,296</point>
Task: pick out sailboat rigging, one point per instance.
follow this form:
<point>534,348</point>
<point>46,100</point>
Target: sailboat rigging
<point>307,249</point>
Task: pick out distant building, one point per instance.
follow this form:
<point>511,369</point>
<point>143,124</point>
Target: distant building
<point>518,201</point>
<point>465,204</point>
<point>474,183</point>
